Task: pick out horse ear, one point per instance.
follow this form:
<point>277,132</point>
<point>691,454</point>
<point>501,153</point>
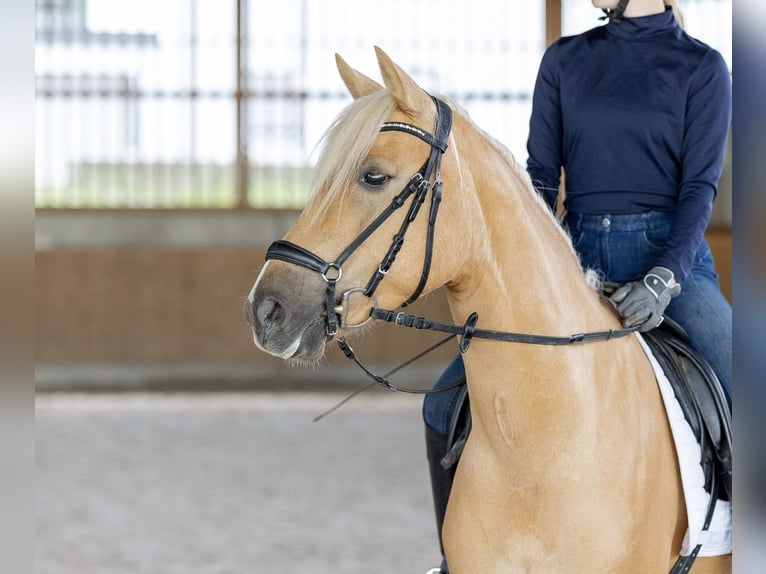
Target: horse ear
<point>410,97</point>
<point>357,83</point>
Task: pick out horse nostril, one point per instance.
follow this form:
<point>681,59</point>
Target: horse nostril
<point>268,312</point>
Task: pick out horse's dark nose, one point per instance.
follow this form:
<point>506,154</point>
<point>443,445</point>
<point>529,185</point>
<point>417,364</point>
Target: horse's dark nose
<point>268,312</point>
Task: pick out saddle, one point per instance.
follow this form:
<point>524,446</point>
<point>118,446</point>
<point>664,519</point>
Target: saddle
<point>702,401</point>
<point>697,390</point>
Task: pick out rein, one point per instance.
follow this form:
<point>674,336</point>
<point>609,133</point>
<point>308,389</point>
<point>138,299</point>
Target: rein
<point>468,330</point>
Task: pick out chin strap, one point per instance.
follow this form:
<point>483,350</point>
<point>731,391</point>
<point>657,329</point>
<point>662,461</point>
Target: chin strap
<point>615,16</point>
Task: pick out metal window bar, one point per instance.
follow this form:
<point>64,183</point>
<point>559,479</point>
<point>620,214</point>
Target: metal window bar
<point>114,132</point>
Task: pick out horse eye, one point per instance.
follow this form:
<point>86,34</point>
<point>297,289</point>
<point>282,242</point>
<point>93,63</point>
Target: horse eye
<point>375,179</point>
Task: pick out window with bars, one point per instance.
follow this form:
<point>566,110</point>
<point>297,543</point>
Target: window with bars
<point>203,103</point>
<point>220,104</point>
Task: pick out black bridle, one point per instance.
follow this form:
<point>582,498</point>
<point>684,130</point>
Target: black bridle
<point>418,186</point>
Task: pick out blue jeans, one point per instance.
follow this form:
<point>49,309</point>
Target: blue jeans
<point>623,248</point>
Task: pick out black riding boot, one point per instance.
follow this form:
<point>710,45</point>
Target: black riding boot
<point>441,480</point>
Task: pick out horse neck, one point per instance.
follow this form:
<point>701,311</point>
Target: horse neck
<point>521,274</point>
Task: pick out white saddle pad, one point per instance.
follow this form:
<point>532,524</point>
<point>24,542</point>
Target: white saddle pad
<point>716,540</point>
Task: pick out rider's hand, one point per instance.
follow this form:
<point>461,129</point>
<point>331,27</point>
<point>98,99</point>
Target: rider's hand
<point>643,302</point>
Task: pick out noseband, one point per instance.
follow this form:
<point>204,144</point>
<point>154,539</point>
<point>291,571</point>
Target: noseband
<point>418,186</point>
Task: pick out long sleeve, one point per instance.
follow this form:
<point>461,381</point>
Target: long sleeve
<point>707,120</point>
<point>638,115</point>
<point>545,131</point>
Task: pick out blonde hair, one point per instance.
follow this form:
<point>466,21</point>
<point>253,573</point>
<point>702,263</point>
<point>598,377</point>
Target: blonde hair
<point>679,16</point>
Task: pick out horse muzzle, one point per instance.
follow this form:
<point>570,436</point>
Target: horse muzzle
<point>287,316</point>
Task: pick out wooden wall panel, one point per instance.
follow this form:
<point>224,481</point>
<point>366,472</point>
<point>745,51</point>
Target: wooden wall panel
<point>149,305</point>
<point>141,305</point>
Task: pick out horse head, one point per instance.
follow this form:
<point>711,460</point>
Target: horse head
<point>368,233</point>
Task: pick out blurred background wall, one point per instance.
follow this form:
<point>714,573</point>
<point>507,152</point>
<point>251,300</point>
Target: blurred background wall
<point>175,141</point>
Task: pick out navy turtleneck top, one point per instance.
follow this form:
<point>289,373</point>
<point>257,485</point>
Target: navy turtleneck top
<point>638,114</point>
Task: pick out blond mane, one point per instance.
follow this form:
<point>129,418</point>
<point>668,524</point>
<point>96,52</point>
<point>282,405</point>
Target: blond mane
<point>345,145</point>
<point>591,276</point>
<point>348,141</point>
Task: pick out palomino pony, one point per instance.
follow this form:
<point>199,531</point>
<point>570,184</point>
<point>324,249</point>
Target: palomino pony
<point>570,465</point>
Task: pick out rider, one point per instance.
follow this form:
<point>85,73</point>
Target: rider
<point>637,113</point>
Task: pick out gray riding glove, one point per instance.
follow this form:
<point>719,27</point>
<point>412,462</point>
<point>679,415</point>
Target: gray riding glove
<point>643,302</point>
